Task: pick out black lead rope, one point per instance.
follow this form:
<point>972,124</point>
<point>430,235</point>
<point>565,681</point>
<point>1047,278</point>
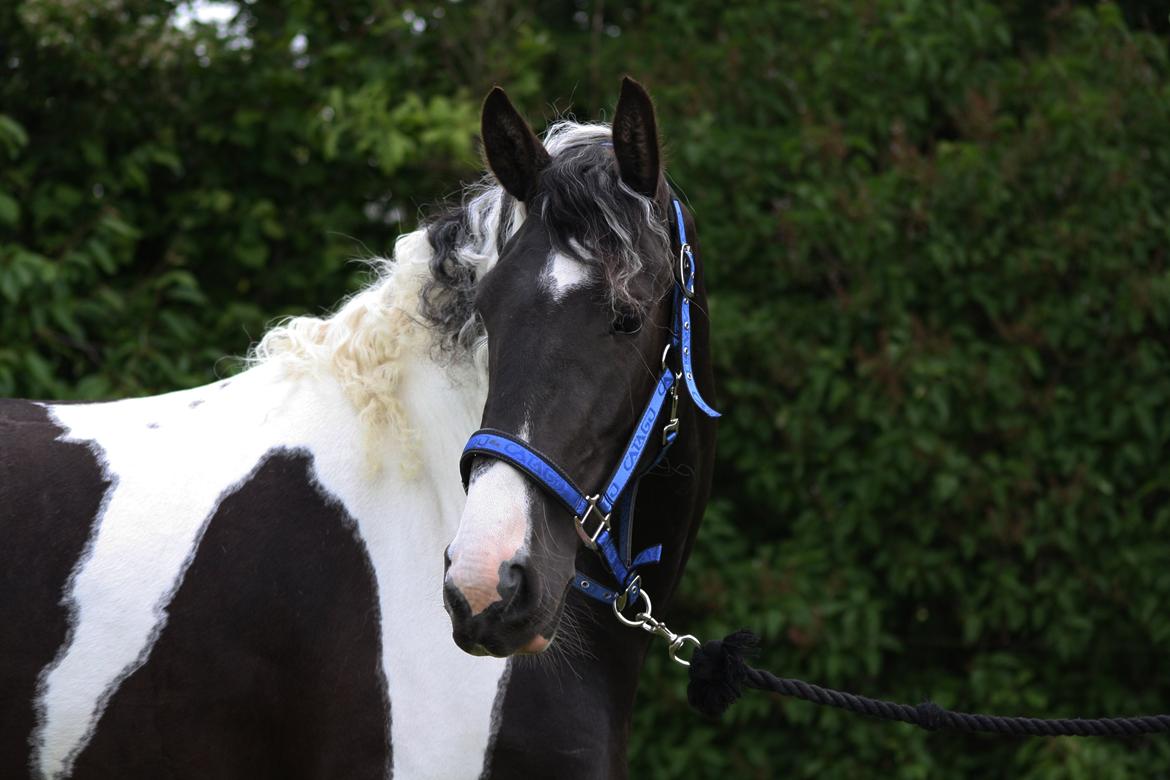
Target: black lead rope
<point>719,673</point>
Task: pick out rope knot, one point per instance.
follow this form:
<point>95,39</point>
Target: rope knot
<point>717,672</point>
<point>929,715</point>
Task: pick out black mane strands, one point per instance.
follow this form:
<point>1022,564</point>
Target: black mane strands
<point>596,219</point>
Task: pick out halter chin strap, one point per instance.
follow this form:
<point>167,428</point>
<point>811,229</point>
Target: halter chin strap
<point>610,511</point>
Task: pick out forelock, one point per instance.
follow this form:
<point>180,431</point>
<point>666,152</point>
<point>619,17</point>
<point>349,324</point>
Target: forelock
<point>591,215</point>
<point>595,218</point>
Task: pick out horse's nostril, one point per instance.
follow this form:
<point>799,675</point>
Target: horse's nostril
<point>454,602</point>
<point>446,558</point>
<point>515,586</point>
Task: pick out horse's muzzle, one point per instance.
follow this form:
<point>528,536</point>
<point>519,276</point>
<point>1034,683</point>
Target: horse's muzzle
<point>499,623</point>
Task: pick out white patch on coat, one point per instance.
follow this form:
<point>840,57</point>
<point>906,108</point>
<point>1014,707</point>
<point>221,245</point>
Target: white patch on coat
<point>171,461</point>
<point>441,698</point>
<point>562,274</point>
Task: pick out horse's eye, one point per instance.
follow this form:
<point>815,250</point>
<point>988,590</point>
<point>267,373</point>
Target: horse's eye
<point>627,323</point>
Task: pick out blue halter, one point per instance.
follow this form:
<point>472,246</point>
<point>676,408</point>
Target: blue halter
<point>612,509</point>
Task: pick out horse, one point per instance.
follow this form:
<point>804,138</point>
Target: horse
<point>280,574</point>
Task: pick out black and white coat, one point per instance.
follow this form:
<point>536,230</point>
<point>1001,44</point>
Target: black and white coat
<point>244,580</point>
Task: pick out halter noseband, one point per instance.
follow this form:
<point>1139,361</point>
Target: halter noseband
<point>612,509</point>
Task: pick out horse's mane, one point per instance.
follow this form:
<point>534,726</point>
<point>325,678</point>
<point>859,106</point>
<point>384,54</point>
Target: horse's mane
<point>422,299</point>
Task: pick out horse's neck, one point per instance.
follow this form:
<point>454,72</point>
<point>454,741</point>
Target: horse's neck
<point>264,408</point>
<point>412,454</point>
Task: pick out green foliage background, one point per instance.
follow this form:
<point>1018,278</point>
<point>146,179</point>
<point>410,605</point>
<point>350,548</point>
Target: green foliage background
<point>936,234</point>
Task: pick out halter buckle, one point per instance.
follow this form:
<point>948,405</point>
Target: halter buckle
<point>590,539</point>
<point>686,272</point>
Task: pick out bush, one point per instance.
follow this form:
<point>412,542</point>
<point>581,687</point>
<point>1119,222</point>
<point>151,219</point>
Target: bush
<point>936,235</point>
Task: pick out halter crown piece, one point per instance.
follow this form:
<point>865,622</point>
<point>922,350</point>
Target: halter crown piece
<point>602,516</point>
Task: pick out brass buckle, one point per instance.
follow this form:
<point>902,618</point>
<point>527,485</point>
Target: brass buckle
<point>590,539</point>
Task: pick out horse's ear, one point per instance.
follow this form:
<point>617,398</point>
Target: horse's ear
<point>514,153</point>
<point>635,139</point>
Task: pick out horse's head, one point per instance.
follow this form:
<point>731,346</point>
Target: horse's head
<point>577,312</point>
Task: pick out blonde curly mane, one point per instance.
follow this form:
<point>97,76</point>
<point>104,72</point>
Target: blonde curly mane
<point>362,344</point>
<point>422,300</point>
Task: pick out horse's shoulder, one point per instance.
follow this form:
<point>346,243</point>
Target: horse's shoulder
<point>32,457</point>
<point>18,414</point>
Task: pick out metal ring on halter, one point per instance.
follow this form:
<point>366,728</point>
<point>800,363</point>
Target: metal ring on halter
<point>666,354</point>
<point>640,619</point>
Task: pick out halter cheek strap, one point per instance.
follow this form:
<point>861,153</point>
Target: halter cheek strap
<point>684,292</point>
<point>610,512</point>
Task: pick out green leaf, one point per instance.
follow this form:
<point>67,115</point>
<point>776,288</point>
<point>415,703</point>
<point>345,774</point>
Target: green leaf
<point>9,209</point>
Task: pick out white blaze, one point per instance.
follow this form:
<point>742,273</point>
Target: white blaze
<point>493,529</point>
